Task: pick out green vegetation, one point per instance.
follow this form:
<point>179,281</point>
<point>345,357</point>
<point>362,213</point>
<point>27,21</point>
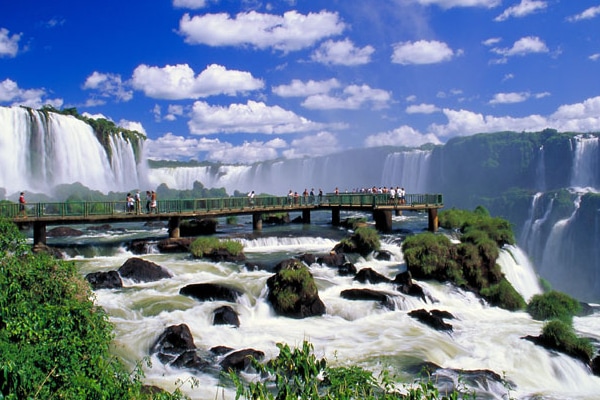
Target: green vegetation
<point>294,281</point>
<point>208,244</point>
<point>231,220</point>
<point>299,374</point>
<point>54,342</point>
<point>470,264</point>
<point>553,305</point>
<point>363,241</point>
<point>561,336</point>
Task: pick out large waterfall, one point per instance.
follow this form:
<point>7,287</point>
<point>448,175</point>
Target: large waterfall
<point>39,151</point>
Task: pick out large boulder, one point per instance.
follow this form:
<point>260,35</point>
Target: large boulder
<point>332,259</point>
<point>210,292</point>
<point>226,315</point>
<point>140,270</point>
<point>240,360</point>
<point>63,231</point>
<point>369,294</point>
<point>407,286</point>
<point>434,319</point>
<point>369,275</point>
<point>174,245</point>
<point>175,346</point>
<point>104,280</point>
<point>198,227</point>
<point>293,292</point>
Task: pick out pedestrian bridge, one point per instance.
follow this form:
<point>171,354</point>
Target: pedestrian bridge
<point>40,215</point>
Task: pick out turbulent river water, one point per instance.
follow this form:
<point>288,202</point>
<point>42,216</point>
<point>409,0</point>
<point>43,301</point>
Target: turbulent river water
<point>361,333</point>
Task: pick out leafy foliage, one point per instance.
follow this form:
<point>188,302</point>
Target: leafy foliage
<point>207,244</point>
<point>561,336</point>
<point>503,294</point>
<point>553,305</point>
<point>298,374</point>
<point>54,342</point>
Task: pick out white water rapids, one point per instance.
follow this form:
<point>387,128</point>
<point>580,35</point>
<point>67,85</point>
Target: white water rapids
<point>351,332</point>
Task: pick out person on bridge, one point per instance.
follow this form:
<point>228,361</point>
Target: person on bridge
<point>153,205</point>
<point>22,203</point>
<point>138,202</point>
<point>251,198</point>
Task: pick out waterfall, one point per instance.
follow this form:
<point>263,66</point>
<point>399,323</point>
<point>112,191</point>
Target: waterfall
<point>540,171</point>
<point>519,271</point>
<point>585,163</point>
<point>39,151</point>
<point>532,238</point>
<point>407,169</point>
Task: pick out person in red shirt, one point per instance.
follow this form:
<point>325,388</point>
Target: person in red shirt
<point>22,203</point>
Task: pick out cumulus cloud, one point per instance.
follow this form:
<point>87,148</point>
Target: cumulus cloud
<point>290,32</point>
<point>342,52</point>
<point>523,46</point>
<point>353,97</point>
<point>524,8</point>
<point>589,13</point>
<point>175,82</point>
<point>191,4</point>
<point>421,52</point>
<point>508,98</point>
<point>595,57</point>
<point>579,117</point>
<point>297,88</point>
<point>461,3</point>
<point>402,136</point>
<point>132,126</point>
<point>248,152</point>
<point>9,44</point>
<point>421,109</point>
<point>108,85</point>
<point>321,144</point>
<point>12,94</point>
<point>252,117</point>
<point>170,146</point>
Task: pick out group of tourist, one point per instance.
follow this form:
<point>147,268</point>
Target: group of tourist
<point>134,203</point>
<point>294,198</point>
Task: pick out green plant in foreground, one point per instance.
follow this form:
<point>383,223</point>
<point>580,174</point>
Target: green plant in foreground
<point>298,374</point>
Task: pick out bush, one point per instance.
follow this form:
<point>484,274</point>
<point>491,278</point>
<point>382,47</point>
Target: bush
<point>504,295</point>
<point>431,256</point>
<point>206,245</point>
<point>366,240</point>
<point>561,336</point>
<point>553,305</point>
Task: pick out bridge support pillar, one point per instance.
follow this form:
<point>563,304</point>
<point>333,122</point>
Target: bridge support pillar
<point>39,233</point>
<point>257,221</point>
<point>174,232</point>
<point>383,220</point>
<point>335,216</point>
<point>306,216</point>
<point>398,212</point>
<point>433,219</point>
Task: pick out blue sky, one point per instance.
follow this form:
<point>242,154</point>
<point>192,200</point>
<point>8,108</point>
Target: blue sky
<point>246,81</point>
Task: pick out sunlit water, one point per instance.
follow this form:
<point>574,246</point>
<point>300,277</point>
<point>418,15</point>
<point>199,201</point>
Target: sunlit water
<point>363,333</point>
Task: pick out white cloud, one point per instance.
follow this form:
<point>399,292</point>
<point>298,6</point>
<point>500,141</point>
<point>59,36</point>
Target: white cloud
<point>589,13</point>
<point>461,3</point>
<point>402,136</point>
<point>342,52</point>
<point>595,57</point>
<point>421,52</point>
<point>252,117</point>
<point>492,41</point>
<point>321,144</point>
<point>132,126</point>
<point>297,88</point>
<point>171,147</point>
<point>352,98</point>
<point>578,117</point>
<point>9,45</point>
<point>421,109</point>
<point>191,4</point>
<point>176,82</point>
<point>290,32</point>
<point>523,46</point>
<point>34,98</point>
<point>108,85</point>
<point>248,152</point>
<point>524,8</point>
<point>509,98</point>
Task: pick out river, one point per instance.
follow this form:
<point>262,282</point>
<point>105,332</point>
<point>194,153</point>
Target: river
<point>351,332</point>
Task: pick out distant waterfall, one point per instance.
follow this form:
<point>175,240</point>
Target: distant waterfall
<point>39,151</point>
<point>532,237</point>
<point>540,171</point>
<point>584,173</point>
<point>348,171</point>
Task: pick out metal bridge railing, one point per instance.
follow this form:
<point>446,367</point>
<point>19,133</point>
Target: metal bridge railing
<point>110,208</point>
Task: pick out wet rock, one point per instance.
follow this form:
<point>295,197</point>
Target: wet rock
<point>332,259</point>
<point>210,292</point>
<point>226,315</point>
<point>407,286</point>
<point>174,245</point>
<point>175,346</point>
<point>430,319</point>
<point>140,270</point>
<point>383,255</point>
<point>369,275</point>
<point>63,231</point>
<point>347,269</point>
<point>293,292</point>
<point>198,227</point>
<point>104,280</point>
<point>241,360</point>
<point>369,294</point>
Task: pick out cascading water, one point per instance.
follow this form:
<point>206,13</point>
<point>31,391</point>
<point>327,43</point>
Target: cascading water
<point>39,151</point>
<point>409,169</point>
<point>484,340</point>
<point>584,173</point>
